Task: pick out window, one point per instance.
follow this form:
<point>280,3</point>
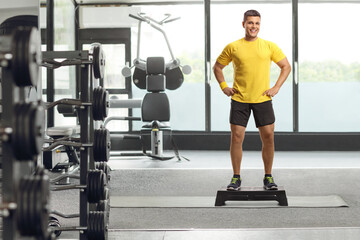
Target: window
<point>186,38</point>
<point>329,76</point>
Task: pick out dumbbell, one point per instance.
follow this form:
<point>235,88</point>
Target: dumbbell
<point>96,186</point>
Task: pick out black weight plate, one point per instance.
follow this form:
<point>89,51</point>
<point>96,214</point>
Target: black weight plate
<point>104,167</point>
<point>42,203</point>
<point>90,186</point>
<point>102,184</point>
<point>21,202</point>
<point>108,145</point>
<point>105,104</point>
<point>93,186</point>
<point>37,122</point>
<point>95,106</point>
<point>103,145</point>
<point>174,78</point>
<point>37,207</point>
<point>98,61</point>
<point>20,142</point>
<point>18,52</point>
<point>28,132</point>
<point>100,103</point>
<point>28,227</point>
<point>35,56</point>
<point>27,129</point>
<point>139,78</point>
<point>97,226</point>
<point>27,56</point>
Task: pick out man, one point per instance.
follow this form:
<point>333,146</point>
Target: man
<point>251,57</point>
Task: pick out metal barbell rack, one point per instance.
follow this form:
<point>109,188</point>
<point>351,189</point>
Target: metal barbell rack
<point>91,66</point>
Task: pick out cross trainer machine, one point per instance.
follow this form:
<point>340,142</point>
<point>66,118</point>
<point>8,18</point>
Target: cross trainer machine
<point>155,76</point>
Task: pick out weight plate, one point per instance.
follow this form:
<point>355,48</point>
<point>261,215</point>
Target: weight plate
<point>107,143</point>
<point>28,136</point>
<point>100,104</point>
<point>98,60</point>
<point>27,56</point>
<point>95,104</point>
<point>92,186</point>
<point>24,205</point>
<point>37,122</point>
<point>102,145</point>
<point>42,202</point>
<point>97,226</point>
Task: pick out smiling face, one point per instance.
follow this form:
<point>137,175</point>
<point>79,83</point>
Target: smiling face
<point>252,27</point>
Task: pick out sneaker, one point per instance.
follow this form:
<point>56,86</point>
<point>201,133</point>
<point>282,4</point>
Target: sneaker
<point>234,185</point>
<point>269,183</point>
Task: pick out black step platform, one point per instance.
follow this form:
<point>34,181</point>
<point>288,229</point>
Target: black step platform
<point>251,194</point>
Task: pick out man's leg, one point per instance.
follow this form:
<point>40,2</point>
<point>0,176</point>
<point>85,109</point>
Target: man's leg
<point>267,138</point>
<point>237,138</point>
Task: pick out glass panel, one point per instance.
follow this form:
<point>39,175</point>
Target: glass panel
<point>115,61</point>
<point>226,27</point>
<point>186,37</point>
<point>329,66</point>
<point>118,125</point>
<point>64,13</point>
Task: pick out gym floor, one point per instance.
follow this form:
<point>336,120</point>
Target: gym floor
<point>301,173</point>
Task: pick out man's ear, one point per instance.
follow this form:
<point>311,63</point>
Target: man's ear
<point>243,24</point>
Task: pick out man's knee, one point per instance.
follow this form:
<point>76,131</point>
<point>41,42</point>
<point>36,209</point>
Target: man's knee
<point>237,133</point>
<point>267,134</point>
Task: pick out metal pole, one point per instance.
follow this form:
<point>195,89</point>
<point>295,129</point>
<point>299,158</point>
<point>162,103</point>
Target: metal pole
<point>207,67</point>
<point>295,63</point>
<point>50,89</point>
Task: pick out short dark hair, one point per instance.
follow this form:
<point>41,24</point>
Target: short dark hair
<point>252,13</point>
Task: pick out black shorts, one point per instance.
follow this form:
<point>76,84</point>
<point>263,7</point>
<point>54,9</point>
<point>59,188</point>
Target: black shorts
<point>263,113</point>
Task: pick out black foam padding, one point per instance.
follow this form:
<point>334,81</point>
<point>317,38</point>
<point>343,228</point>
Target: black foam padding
<point>174,78</point>
<point>155,106</point>
<point>155,83</point>
<point>139,78</point>
<point>155,65</point>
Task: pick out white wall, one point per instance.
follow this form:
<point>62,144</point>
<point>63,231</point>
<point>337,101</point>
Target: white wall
<point>108,17</point>
<point>18,7</point>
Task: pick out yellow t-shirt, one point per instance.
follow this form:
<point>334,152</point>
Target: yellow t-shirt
<point>251,62</point>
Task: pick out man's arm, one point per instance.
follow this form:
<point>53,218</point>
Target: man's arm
<point>218,72</point>
<point>284,73</point>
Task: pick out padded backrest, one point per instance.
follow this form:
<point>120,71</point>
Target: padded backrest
<point>155,106</point>
<point>155,83</point>
<point>155,65</point>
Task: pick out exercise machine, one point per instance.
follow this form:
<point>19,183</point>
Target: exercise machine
<point>155,76</point>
